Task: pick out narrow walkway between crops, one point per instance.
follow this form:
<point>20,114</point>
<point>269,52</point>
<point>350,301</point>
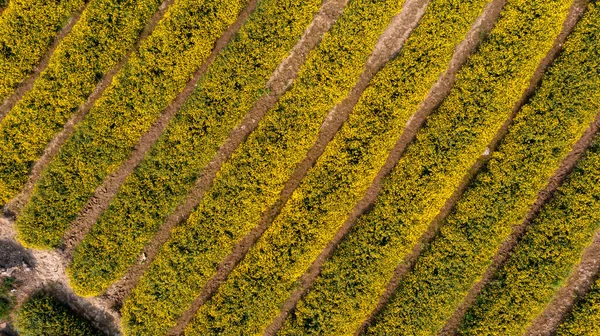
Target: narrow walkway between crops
<point>389,44</point>
<point>45,270</point>
<point>104,194</point>
<point>15,206</point>
<point>278,84</point>
<point>575,13</point>
<point>28,82</point>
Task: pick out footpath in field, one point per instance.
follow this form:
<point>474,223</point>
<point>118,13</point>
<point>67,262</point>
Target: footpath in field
<point>152,78</point>
<point>487,88</point>
<point>251,181</point>
<point>27,31</point>
<point>340,177</point>
<point>554,244</point>
<point>76,66</point>
<point>499,199</point>
<point>585,318</point>
<point>191,140</point>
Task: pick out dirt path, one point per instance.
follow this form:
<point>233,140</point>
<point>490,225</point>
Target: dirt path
<point>107,191</point>
<point>279,82</point>
<point>27,83</point>
<point>388,45</point>
<point>576,11</point>
<point>36,270</point>
<point>16,205</point>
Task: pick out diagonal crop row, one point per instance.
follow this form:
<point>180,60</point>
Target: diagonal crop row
<point>487,88</point>
<point>43,314</point>
<point>103,35</point>
<point>584,320</point>
<point>154,75</point>
<point>171,168</point>
<point>251,181</point>
<point>341,176</point>
<point>542,134</point>
<point>545,256</point>
<point>27,29</point>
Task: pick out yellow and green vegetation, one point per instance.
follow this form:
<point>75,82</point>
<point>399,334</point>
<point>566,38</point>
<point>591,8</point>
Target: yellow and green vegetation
<point>251,181</point>
<point>486,90</point>
<point>339,179</point>
<point>44,315</point>
<point>105,32</point>
<point>584,320</point>
<point>151,79</point>
<point>543,132</point>
<point>27,29</point>
<point>545,257</point>
<point>7,299</point>
<point>191,140</point>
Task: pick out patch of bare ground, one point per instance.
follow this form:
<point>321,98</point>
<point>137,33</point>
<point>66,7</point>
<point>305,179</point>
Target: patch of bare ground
<point>16,204</point>
<point>278,84</point>
<point>584,275</point>
<point>576,11</point>
<point>388,45</point>
<point>27,83</point>
<point>104,194</point>
<point>36,270</point>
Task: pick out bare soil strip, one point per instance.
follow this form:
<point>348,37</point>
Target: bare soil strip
<point>16,205</point>
<point>278,84</point>
<point>27,83</point>
<point>436,95</point>
<point>389,44</point>
<point>584,275</point>
<point>575,13</point>
<point>45,270</point>
<point>104,194</point>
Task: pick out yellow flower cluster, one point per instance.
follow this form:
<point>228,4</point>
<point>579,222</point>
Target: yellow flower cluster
<point>250,182</point>
<point>487,88</point>
<point>191,140</point>
<point>499,198</point>
<point>27,29</point>
<point>104,33</point>
<point>151,79</point>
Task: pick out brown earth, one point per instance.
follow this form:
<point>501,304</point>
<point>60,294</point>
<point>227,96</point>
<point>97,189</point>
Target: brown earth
<point>27,83</point>
<point>575,13</point>
<point>16,205</point>
<point>36,270</point>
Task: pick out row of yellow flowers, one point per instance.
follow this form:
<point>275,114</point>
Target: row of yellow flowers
<point>498,199</point>
<point>106,31</point>
<point>251,181</point>
<point>233,83</point>
<point>487,88</point>
<point>27,29</point>
<point>150,80</point>
<point>322,202</point>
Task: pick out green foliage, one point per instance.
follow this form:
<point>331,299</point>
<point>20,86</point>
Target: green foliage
<point>499,198</point>
<point>27,29</point>
<point>584,320</point>
<point>106,30</point>
<point>6,298</point>
<point>44,315</point>
<point>431,168</point>
<point>191,140</point>
<point>340,177</point>
<point>151,79</point>
<point>252,179</point>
